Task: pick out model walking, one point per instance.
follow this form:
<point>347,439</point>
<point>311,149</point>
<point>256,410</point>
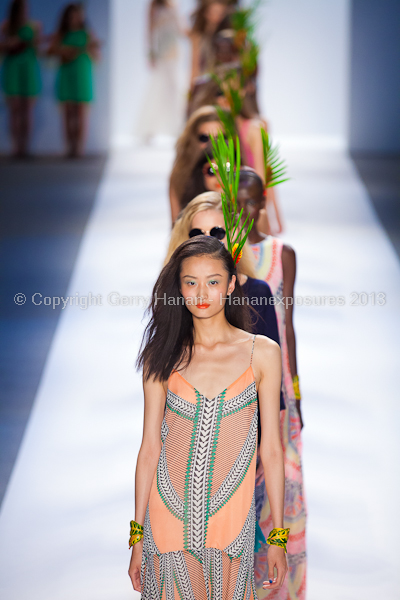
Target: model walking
<point>162,106</point>
<point>76,47</point>
<point>276,264</point>
<point>20,75</point>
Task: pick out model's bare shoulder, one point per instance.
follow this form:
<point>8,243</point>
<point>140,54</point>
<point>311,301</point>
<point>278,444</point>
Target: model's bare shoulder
<point>155,386</point>
<point>288,254</point>
<point>266,356</point>
<point>265,346</point>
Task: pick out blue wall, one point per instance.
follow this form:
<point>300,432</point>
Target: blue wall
<point>375,76</point>
<point>47,136</point>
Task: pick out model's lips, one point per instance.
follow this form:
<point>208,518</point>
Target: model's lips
<point>204,305</point>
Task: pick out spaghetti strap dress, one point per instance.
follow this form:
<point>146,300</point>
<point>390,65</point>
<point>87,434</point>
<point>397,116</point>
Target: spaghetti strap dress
<point>199,527</point>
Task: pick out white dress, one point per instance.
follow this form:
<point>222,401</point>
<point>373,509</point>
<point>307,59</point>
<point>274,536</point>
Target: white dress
<point>162,108</point>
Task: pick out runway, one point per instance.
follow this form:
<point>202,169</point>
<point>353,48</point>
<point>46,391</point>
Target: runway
<point>65,516</point>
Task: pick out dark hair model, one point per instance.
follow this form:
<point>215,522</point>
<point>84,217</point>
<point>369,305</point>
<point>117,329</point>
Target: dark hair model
<point>65,19</point>
<point>248,177</point>
<point>195,184</point>
<point>168,338</point>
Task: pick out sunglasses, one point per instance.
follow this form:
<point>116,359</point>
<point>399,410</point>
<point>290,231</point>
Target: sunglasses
<point>217,232</point>
<point>209,172</point>
<point>204,139</point>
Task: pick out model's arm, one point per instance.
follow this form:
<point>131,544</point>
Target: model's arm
<point>256,146</point>
<point>268,366</point>
<point>93,47</point>
<point>149,453</point>
<point>289,276</point>
<point>60,50</point>
<point>255,142</point>
<point>10,43</point>
<point>273,200</point>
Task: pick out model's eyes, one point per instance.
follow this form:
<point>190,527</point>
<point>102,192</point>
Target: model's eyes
<point>250,203</point>
<point>212,282</point>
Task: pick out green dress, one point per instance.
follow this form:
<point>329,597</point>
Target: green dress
<point>21,74</point>
<point>74,80</point>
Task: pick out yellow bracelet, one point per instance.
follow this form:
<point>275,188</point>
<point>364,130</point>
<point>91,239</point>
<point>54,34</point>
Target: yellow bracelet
<point>296,387</point>
<point>278,537</point>
<point>136,533</point>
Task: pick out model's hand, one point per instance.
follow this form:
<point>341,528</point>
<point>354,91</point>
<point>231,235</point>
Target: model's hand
<point>135,565</point>
<point>276,559</point>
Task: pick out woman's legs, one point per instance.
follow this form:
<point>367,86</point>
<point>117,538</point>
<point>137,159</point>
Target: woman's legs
<point>13,105</point>
<point>81,120</point>
<point>20,109</point>
<point>75,116</point>
<point>26,124</point>
<point>68,125</point>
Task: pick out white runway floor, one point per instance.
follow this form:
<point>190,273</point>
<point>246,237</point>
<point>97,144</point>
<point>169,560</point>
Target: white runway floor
<point>65,518</point>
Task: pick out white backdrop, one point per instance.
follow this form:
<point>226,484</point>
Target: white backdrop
<point>304,77</point>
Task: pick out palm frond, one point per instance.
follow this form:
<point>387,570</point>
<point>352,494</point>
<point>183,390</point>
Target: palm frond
<point>226,155</point>
<point>274,167</point>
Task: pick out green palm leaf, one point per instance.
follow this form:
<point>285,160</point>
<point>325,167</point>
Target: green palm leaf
<point>274,167</point>
<point>226,155</point>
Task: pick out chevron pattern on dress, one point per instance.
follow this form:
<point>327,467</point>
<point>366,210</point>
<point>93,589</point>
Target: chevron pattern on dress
<point>149,544</point>
<point>179,405</point>
<point>241,400</point>
<point>182,576</point>
<point>166,490</point>
<point>168,571</point>
<point>245,577</point>
<point>164,430</point>
<point>216,570</point>
<point>150,589</point>
<point>206,571</point>
<point>235,548</point>
<point>196,502</point>
<point>238,469</point>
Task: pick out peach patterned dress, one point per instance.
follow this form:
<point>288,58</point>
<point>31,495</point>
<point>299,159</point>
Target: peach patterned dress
<point>200,520</point>
<point>268,255</point>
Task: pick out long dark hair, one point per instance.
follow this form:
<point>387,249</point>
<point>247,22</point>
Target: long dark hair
<point>195,184</point>
<point>199,21</point>
<point>16,15</point>
<point>63,25</point>
<point>168,338</point>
